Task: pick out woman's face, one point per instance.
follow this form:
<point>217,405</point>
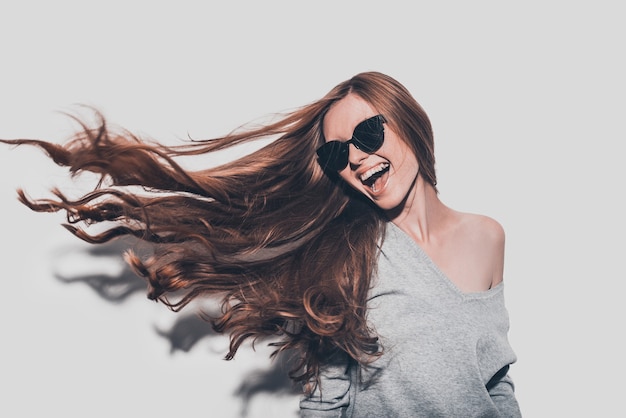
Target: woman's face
<point>386,176</point>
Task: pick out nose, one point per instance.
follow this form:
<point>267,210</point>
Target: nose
<point>355,155</point>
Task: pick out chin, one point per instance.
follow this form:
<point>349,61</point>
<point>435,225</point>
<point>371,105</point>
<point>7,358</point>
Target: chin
<point>392,202</point>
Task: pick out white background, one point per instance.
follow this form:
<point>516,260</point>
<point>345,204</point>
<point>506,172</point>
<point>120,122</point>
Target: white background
<point>527,100</point>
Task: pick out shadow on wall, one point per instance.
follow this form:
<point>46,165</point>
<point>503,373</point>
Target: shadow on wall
<point>187,330</point>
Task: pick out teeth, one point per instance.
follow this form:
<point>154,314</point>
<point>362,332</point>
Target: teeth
<point>369,173</point>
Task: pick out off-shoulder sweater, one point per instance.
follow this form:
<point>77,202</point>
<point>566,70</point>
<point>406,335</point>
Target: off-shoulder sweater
<point>445,352</point>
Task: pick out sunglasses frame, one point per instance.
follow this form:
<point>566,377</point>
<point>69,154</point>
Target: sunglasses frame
<point>333,155</point>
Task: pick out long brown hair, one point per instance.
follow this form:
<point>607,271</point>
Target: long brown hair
<point>289,249</point>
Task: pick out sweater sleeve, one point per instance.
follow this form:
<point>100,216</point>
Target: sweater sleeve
<point>502,392</point>
<point>331,398</point>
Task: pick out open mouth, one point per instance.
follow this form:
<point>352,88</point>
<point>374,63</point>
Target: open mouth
<point>373,178</point>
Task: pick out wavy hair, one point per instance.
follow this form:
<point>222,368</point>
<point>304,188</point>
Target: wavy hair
<point>288,249</point>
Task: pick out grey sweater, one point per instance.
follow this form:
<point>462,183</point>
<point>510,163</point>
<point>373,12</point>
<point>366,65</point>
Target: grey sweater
<point>446,352</point>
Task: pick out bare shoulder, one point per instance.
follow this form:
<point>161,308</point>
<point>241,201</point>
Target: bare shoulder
<point>487,229</point>
<point>469,250</point>
<point>484,239</point>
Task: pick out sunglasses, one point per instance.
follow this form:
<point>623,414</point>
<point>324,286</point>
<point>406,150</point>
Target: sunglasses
<point>368,137</point>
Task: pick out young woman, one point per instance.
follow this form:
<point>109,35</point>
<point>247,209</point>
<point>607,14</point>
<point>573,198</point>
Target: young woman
<point>331,239</point>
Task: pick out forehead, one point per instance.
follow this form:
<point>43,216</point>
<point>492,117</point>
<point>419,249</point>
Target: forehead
<point>345,115</point>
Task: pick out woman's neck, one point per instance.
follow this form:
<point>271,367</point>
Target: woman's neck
<point>422,213</point>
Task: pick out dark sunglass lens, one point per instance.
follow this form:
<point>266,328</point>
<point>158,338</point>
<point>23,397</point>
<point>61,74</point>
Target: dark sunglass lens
<point>369,134</point>
<point>333,155</point>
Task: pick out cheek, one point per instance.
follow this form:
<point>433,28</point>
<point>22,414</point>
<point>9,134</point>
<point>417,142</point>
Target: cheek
<point>410,166</point>
<point>399,153</point>
<point>404,163</point>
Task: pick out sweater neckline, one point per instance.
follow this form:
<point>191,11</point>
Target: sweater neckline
<point>400,234</point>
